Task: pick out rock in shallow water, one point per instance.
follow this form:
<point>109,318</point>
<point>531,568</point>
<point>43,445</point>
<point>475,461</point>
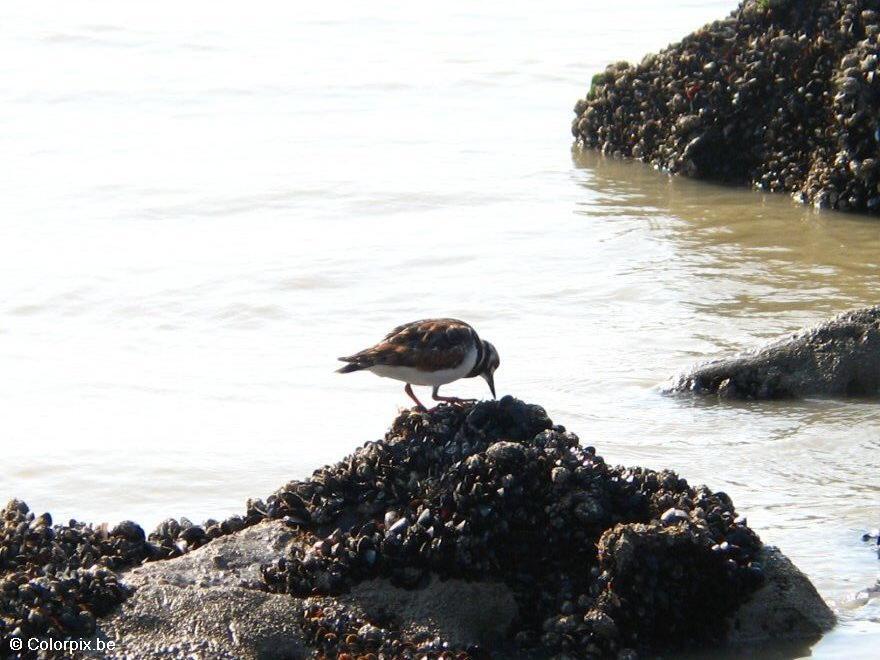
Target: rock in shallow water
<point>507,539</point>
<point>495,492</point>
<point>781,95</point>
<point>839,358</point>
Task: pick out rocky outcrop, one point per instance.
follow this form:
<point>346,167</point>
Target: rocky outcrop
<point>838,358</point>
<point>782,95</point>
<point>475,531</point>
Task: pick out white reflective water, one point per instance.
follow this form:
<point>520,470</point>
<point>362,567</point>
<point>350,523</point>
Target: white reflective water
<point>204,203</point>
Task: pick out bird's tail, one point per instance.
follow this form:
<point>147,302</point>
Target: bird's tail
<point>351,366</point>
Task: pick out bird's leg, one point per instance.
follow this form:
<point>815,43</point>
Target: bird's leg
<point>411,394</point>
<point>454,400</point>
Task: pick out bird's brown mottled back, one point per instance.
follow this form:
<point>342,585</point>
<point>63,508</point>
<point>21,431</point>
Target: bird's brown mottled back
<point>427,345</point>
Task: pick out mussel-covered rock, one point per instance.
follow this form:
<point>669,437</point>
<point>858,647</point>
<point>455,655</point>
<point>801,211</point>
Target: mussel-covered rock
<point>781,95</point>
<point>600,560</point>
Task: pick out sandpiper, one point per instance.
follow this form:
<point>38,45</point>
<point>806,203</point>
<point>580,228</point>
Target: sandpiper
<point>429,352</point>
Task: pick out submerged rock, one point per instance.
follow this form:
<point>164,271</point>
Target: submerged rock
<point>468,532</point>
<point>781,95</point>
<point>840,358</point>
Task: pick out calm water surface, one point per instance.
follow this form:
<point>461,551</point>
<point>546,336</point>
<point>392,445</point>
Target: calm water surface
<point>205,203</point>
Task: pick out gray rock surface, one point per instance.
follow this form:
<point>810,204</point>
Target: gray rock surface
<point>787,608</point>
<point>229,561</point>
<point>165,621</point>
<point>838,358</point>
<point>208,603</point>
<point>463,613</point>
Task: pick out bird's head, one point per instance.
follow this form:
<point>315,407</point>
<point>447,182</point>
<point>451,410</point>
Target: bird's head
<point>490,364</point>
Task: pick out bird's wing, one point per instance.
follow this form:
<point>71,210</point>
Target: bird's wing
<point>427,345</point>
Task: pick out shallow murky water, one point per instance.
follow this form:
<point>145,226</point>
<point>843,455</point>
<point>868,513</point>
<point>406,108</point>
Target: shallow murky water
<point>201,212</point>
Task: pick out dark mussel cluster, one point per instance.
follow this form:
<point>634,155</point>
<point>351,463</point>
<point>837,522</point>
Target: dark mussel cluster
<point>783,95</point>
<point>600,559</point>
<point>173,538</point>
<point>56,579</point>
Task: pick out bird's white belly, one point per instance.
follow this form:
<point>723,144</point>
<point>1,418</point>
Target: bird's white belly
<point>434,378</point>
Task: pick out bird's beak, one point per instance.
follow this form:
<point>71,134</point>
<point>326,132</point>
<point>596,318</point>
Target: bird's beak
<point>490,378</point>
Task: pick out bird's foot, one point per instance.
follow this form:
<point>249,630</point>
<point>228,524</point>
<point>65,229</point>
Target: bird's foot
<point>453,401</point>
